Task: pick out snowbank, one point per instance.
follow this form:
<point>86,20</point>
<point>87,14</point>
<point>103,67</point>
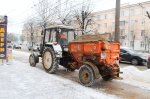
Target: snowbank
<point>132,75</point>
<point>21,81</point>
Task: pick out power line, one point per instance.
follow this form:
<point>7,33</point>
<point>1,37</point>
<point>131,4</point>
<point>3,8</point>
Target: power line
<point>53,14</point>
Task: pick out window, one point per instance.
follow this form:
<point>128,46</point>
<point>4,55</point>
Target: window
<point>132,12</point>
<point>131,22</point>
<point>121,13</point>
<point>98,17</point>
<point>102,16</point>
<point>105,25</point>
<point>142,21</point>
<point>105,16</point>
<point>98,26</point>
<point>143,11</point>
<point>142,44</point>
<point>113,24</point>
<point>131,43</point>
<point>137,11</point>
<point>126,13</point>
<point>142,32</point>
<point>70,35</point>
<point>53,36</point>
<point>122,32</point>
<point>113,15</point>
<point>132,33</point>
<point>122,23</point>
<point>109,16</point>
<point>47,35</point>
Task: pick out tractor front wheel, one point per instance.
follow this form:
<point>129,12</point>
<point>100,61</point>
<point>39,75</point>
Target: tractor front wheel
<point>32,60</point>
<point>86,75</point>
<point>49,60</point>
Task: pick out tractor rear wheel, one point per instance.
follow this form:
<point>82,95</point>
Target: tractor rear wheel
<point>32,60</point>
<point>86,75</point>
<point>49,60</point>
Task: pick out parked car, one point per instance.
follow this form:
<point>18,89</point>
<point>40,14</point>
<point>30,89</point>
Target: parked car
<point>135,58</point>
<point>16,46</point>
<point>148,62</point>
<point>35,47</point>
<point>9,45</point>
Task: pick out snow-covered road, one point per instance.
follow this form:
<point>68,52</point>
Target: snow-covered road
<point>21,81</point>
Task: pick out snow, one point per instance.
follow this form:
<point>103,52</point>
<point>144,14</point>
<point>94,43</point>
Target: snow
<point>21,81</point>
<point>132,75</point>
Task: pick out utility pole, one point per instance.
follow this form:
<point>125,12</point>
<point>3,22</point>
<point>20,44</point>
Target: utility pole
<point>117,21</point>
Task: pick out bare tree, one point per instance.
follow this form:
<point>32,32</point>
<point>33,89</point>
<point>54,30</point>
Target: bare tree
<point>65,18</point>
<point>22,38</point>
<point>31,27</point>
<point>11,37</point>
<point>45,12</point>
<point>83,17</point>
<point>65,13</point>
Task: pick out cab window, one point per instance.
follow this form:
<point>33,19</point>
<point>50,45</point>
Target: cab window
<point>47,35</point>
<point>53,36</point>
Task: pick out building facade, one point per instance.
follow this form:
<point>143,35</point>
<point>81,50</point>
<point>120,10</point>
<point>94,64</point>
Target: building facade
<point>134,25</point>
<point>26,34</point>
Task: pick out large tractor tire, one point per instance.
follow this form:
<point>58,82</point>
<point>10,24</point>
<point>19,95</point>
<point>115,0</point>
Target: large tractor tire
<point>86,75</point>
<point>49,60</point>
<point>32,60</point>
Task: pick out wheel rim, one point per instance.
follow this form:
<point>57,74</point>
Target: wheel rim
<point>134,62</point>
<point>47,60</point>
<point>31,60</point>
<point>85,76</point>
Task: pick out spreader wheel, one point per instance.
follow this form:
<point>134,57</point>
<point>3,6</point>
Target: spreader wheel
<point>86,75</point>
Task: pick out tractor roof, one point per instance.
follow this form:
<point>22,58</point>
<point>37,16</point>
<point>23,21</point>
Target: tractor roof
<point>60,26</point>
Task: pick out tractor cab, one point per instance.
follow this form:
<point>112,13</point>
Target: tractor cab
<point>59,34</point>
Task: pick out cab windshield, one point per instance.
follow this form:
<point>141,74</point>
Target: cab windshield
<point>65,37</point>
<point>62,36</point>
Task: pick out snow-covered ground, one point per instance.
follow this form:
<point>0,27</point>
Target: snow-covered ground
<point>21,81</point>
<point>132,75</point>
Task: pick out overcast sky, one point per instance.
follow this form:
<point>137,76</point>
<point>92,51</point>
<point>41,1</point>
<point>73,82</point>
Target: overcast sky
<point>19,10</point>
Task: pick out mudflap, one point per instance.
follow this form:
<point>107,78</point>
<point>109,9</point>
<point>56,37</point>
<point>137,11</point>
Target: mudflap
<point>115,72</point>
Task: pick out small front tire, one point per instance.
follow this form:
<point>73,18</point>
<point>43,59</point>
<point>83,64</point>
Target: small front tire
<point>32,60</point>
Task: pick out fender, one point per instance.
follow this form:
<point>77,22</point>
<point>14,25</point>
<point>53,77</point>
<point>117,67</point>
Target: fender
<point>95,69</point>
<point>57,48</point>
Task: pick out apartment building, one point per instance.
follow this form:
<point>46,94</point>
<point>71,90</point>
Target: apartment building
<point>134,25</point>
